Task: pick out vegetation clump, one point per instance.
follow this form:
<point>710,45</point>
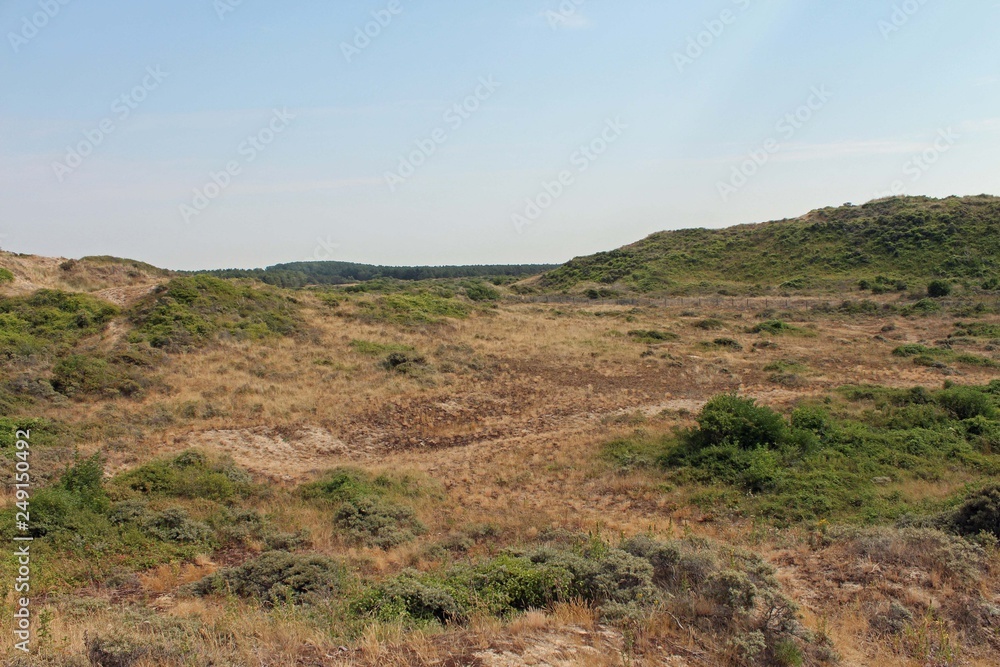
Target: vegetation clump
<point>820,465</point>
<point>190,475</point>
<point>278,577</point>
<point>412,309</point>
<point>368,510</point>
<point>193,311</point>
<point>49,322</point>
<point>652,336</point>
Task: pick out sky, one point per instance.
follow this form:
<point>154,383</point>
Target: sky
<point>199,134</point>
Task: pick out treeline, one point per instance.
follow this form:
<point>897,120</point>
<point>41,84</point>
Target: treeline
<point>299,274</point>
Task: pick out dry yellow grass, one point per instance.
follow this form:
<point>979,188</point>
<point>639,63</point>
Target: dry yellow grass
<point>508,428</point>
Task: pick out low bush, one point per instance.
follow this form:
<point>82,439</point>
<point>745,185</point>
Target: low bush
<point>367,508</point>
<point>980,513</point>
<point>174,525</point>
<point>652,336</point>
<point>412,309</point>
<point>725,343</point>
<point>776,328</point>
<point>479,291</point>
<point>938,289</point>
<point>378,523</point>
<point>278,577</point>
<point>710,324</point>
<point>81,375</point>
<point>191,475</point>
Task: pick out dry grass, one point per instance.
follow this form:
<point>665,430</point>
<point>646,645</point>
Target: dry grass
<point>507,425</point>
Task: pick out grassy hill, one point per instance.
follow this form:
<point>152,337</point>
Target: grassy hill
<point>899,239</point>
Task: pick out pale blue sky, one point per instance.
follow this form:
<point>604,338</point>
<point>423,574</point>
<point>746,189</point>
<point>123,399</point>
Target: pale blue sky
<point>562,71</point>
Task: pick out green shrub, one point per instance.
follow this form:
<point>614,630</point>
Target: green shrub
<point>411,596</point>
<point>190,475</point>
<point>378,523</point>
<point>710,324</point>
<point>812,419</point>
<point>776,328</point>
<point>6,276</point>
<point>480,291</point>
<point>938,289</point>
<point>174,525</point>
<point>732,590</point>
<point>81,375</point>
<point>730,419</point>
<point>925,307</point>
<point>979,513</point>
<point>412,309</point>
<point>277,577</point>
<point>726,343</point>
<point>913,350</point>
<point>967,403</point>
<point>652,336</point>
